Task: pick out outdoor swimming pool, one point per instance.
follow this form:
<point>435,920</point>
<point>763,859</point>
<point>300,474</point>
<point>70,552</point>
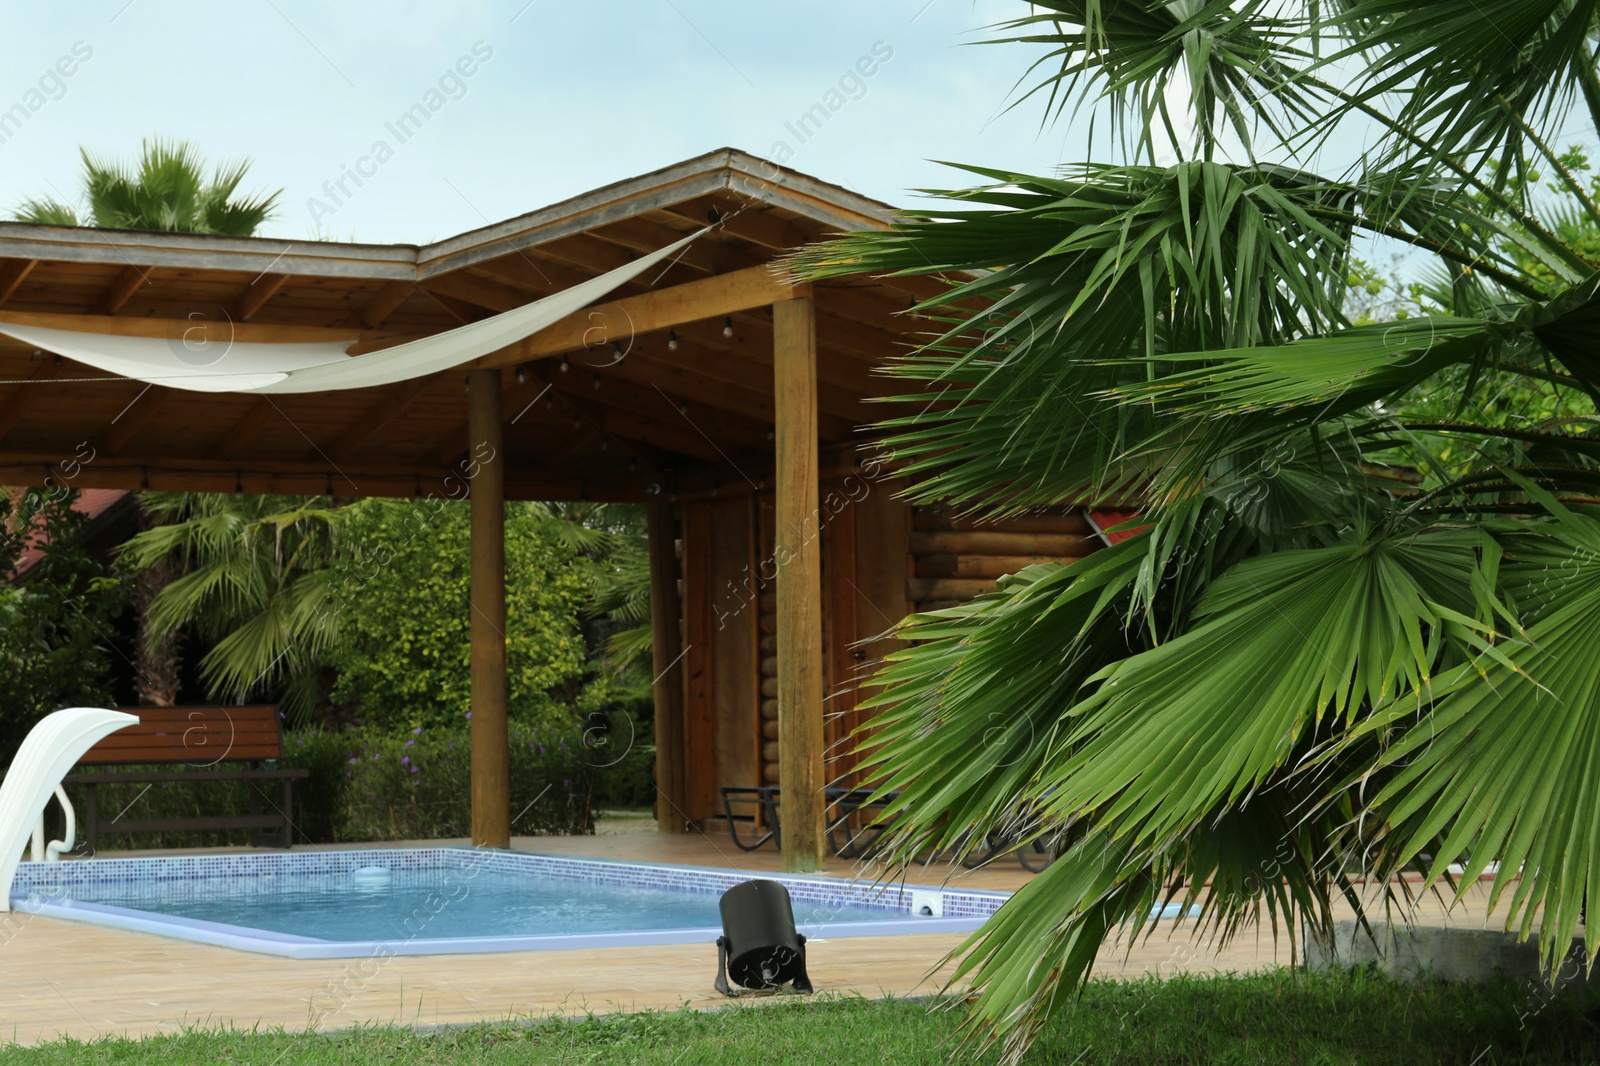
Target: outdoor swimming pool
<point>340,904</point>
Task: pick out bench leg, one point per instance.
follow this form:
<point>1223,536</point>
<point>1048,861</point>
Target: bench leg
<point>288,807</point>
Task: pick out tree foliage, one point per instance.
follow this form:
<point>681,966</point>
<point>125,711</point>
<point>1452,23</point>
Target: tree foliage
<point>405,618</point>
<point>54,626</point>
<point>167,189</point>
<point>1351,641</point>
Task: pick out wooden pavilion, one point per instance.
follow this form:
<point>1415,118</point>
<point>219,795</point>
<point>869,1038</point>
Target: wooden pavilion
<point>721,392</point>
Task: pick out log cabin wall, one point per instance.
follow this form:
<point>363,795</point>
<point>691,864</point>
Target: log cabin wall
<point>722,685</point>
<point>881,559</point>
<point>955,559</point>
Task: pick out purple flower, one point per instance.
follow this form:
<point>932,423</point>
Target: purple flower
<point>405,760</point>
<point>410,742</point>
<point>565,783</point>
<point>417,730</point>
<point>377,755</point>
<point>352,762</point>
<point>452,745</point>
<point>469,714</point>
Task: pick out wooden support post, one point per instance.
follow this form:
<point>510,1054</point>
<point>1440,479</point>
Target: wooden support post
<point>666,648</point>
<point>491,749</point>
<point>801,776</point>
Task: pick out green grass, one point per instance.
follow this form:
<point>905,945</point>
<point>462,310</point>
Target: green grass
<point>1277,1017</point>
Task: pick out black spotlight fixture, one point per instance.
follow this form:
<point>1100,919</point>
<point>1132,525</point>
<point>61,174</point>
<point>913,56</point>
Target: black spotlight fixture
<point>759,948</point>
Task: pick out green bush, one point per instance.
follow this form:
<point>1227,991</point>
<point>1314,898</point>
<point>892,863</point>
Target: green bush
<point>367,786</point>
<point>53,651</point>
<point>404,619</point>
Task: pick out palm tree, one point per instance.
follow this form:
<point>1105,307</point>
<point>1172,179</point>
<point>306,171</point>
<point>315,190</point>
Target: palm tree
<point>166,190</point>
<point>1357,636</point>
<point>256,579</point>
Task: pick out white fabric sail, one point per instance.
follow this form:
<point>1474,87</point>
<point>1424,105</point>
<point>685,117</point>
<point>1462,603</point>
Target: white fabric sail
<point>236,366</point>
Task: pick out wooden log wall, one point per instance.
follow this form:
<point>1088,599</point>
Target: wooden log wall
<point>767,623</point>
<point>955,559</point>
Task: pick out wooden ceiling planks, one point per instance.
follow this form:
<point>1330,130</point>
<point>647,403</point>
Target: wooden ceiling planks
<point>320,289</point>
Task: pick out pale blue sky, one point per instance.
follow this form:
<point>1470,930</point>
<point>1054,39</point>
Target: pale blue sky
<point>576,94</point>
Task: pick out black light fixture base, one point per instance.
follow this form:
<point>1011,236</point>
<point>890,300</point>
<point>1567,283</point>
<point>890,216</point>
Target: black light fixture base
<point>800,983</point>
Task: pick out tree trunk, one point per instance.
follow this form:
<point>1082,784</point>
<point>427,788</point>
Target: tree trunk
<point>158,660</point>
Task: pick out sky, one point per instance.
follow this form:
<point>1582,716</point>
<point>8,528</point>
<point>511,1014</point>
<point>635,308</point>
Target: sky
<point>531,102</point>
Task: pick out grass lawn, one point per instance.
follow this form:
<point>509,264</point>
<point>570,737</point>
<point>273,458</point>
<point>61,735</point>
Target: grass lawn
<point>1277,1017</point>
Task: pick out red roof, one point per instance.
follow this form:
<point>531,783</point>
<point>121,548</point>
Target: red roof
<point>91,503</point>
<point>1104,521</point>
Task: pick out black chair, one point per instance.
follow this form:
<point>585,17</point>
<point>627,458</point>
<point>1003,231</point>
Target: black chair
<point>764,798</point>
<point>844,804</point>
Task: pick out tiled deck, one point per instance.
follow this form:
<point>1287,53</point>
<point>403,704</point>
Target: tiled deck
<point>62,978</point>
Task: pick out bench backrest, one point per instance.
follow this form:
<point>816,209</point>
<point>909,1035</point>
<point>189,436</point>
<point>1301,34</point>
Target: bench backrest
<point>198,736</point>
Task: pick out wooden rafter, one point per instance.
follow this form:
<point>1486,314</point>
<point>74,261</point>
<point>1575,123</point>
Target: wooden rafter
<point>384,410</point>
<point>246,429</point>
<point>481,292</point>
<point>12,397</point>
<point>139,413</point>
<point>459,310</point>
<point>255,297</point>
<point>121,289</point>
<point>381,304</point>
<point>13,274</point>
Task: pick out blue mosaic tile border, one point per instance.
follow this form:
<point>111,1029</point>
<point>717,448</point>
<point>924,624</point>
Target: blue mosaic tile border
<point>810,895</point>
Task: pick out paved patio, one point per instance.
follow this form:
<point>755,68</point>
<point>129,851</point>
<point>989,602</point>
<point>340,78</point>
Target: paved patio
<point>62,978</point>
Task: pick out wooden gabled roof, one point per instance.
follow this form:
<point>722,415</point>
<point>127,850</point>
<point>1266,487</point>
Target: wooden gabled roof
<point>689,406</point>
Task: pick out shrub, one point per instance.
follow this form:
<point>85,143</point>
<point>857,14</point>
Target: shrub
<point>403,649</point>
<point>53,652</point>
<point>370,786</point>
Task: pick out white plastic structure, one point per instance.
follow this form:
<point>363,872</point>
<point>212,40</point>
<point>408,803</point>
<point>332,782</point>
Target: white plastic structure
<point>47,753</point>
<point>53,851</point>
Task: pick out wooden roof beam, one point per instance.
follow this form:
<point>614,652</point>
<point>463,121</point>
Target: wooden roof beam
<point>243,432</point>
<point>656,309</point>
<point>305,478</point>
<point>13,274</point>
<point>383,303</point>
<point>479,291</point>
<point>641,235</point>
<point>121,290</point>
<point>255,297</point>
<point>756,225</point>
<point>384,410</point>
<point>140,412</point>
<point>12,407</point>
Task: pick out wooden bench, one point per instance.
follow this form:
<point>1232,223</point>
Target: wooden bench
<point>213,744</point>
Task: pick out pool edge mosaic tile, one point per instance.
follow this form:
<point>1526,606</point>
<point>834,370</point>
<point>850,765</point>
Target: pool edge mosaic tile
<point>46,888</point>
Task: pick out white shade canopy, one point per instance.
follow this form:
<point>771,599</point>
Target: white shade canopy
<point>198,363</point>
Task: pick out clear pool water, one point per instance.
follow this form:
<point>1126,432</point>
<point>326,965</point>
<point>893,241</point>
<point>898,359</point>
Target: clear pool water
<point>439,904</point>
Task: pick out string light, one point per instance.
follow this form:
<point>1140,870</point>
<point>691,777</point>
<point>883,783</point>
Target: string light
<point>617,352</point>
<point>522,374</point>
<point>727,326</point>
<point>566,365</point>
<point>597,379</point>
<point>672,340</point>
